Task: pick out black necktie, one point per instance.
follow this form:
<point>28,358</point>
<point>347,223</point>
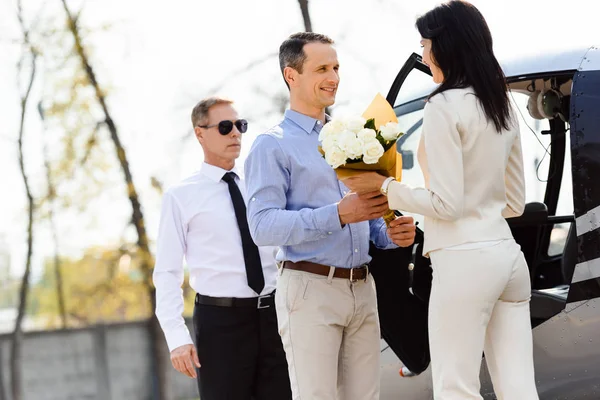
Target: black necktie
<point>254,272</point>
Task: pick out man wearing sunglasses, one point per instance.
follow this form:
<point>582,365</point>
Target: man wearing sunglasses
<point>238,353</point>
<point>326,301</point>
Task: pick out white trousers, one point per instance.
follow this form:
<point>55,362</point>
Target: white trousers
<point>480,304</point>
<point>330,332</point>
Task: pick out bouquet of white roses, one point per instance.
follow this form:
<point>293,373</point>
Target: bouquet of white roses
<point>367,143</point>
<point>356,139</point>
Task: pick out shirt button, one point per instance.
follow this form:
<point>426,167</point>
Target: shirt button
<point>329,233</point>
<point>356,250</point>
<point>254,199</point>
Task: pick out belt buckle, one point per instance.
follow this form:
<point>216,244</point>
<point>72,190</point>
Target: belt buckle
<point>352,279</point>
<point>259,305</point>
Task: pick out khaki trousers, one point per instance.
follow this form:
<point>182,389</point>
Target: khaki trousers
<point>480,304</point>
<point>330,332</point>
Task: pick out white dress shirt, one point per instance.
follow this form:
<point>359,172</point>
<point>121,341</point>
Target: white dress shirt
<point>198,221</point>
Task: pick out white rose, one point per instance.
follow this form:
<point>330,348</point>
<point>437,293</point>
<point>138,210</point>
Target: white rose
<point>332,128</point>
<point>366,134</point>
<point>390,131</point>
<point>355,124</point>
<point>373,150</point>
<point>335,156</point>
<point>328,142</point>
<point>346,141</point>
<point>353,147</point>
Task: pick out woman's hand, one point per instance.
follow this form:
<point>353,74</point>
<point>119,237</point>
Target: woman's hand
<point>402,231</point>
<point>364,182</point>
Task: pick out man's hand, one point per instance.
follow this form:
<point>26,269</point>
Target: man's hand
<point>402,231</point>
<point>362,207</point>
<point>185,359</point>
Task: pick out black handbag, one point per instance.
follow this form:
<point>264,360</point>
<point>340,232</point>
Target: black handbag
<point>403,280</point>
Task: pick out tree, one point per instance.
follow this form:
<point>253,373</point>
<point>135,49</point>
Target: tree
<point>105,285</point>
<point>137,218</point>
<point>51,195</point>
<point>29,54</point>
<point>305,15</point>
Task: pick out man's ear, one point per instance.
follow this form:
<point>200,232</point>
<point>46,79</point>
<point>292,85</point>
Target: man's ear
<point>291,76</point>
<point>199,134</point>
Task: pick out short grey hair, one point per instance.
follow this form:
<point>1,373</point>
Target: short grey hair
<point>200,111</point>
<point>291,51</point>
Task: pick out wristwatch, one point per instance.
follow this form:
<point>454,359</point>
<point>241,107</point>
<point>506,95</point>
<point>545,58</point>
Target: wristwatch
<point>385,185</point>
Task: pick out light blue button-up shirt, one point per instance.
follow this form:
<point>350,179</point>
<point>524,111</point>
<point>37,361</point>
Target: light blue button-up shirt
<point>292,199</point>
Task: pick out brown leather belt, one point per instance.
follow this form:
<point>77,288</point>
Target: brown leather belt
<point>353,274</point>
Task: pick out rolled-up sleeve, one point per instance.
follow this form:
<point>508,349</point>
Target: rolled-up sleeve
<point>267,173</point>
<point>168,273</point>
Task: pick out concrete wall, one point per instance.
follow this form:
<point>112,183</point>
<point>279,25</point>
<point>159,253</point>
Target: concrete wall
<point>110,362</point>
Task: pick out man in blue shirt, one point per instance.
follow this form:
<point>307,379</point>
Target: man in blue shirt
<point>325,300</point>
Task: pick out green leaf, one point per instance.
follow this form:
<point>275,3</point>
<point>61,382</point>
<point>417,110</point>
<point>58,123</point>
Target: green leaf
<point>370,124</point>
<point>353,160</point>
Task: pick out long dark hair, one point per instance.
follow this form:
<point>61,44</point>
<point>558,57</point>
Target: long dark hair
<point>461,46</point>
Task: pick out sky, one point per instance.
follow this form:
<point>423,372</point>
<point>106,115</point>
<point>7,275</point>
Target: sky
<point>160,58</point>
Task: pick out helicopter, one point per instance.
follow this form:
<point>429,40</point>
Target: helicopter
<point>558,100</point>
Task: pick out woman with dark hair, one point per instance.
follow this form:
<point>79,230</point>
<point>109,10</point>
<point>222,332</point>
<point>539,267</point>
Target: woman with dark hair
<point>470,154</point>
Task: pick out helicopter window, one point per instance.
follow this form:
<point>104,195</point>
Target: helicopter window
<point>537,159</point>
<point>536,149</point>
<point>411,124</point>
<point>415,85</point>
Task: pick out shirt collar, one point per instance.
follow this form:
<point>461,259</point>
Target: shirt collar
<point>215,173</point>
<point>304,121</point>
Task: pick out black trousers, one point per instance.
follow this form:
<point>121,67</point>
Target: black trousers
<point>241,354</point>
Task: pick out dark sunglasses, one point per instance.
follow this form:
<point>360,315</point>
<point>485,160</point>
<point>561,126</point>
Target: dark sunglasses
<point>225,127</point>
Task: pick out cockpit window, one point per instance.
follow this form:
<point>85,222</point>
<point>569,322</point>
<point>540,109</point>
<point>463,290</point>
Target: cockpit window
<point>411,124</point>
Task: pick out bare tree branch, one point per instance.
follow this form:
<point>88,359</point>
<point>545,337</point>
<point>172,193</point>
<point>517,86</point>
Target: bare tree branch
<point>160,359</point>
<point>157,185</point>
<point>51,188</point>
<point>137,215</point>
<point>17,335</point>
<point>90,144</point>
<point>305,15</point>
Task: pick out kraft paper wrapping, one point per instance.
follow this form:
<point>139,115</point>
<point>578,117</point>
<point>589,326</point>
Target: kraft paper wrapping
<point>390,163</point>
